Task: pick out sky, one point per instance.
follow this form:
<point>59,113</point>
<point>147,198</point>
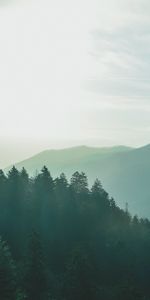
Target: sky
<point>73,72</point>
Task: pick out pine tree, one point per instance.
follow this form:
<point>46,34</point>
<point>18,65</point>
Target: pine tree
<point>79,182</point>
<point>43,202</point>
<point>100,198</point>
<point>3,198</point>
<point>24,177</point>
<point>97,188</point>
<point>17,199</point>
<point>61,183</point>
<point>44,180</point>
<point>13,175</point>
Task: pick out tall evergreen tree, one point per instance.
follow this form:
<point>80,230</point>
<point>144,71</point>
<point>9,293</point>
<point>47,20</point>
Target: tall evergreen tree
<point>3,199</point>
<point>79,182</point>
<point>97,188</point>
<point>43,199</point>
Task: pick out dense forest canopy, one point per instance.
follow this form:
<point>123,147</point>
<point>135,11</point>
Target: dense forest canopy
<point>61,240</point>
<point>124,171</point>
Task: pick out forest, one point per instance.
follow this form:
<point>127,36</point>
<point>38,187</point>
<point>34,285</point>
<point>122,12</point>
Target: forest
<point>64,240</point>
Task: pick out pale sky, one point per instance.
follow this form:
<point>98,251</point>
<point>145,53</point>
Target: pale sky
<point>73,72</point>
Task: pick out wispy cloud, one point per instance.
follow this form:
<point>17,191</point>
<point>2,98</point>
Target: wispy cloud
<point>121,53</point>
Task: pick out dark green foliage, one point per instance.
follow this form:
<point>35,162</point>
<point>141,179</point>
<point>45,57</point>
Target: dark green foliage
<point>7,273</point>
<point>80,276</point>
<point>35,277</point>
<point>93,249</point>
<point>79,183</point>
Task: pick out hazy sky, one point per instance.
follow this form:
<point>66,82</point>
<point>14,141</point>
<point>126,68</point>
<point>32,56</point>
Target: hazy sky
<point>73,72</point>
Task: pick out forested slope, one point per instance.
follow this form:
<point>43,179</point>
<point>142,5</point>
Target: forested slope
<point>62,240</point>
<point>124,171</point>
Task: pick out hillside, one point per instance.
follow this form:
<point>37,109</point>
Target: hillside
<point>62,240</point>
<point>124,172</point>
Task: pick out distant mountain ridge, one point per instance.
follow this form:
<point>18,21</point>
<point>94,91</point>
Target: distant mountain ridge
<point>67,154</point>
<point>124,171</point>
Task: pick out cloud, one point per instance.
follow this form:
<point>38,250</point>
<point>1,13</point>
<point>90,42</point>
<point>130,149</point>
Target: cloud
<point>121,53</point>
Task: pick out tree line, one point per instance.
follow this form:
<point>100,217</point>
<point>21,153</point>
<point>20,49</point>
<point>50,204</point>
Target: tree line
<point>65,241</point>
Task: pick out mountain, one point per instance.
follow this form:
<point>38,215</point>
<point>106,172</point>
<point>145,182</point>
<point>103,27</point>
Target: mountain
<point>124,171</point>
